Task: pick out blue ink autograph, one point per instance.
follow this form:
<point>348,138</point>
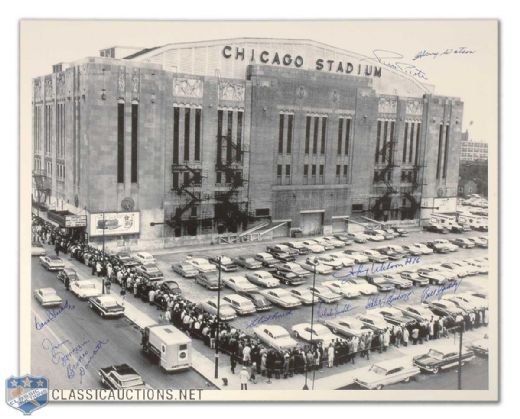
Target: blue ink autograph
<point>53,315</point>
<point>324,311</point>
<point>430,292</point>
<point>264,318</point>
<point>363,270</point>
<point>388,300</point>
<point>448,51</point>
<point>392,60</point>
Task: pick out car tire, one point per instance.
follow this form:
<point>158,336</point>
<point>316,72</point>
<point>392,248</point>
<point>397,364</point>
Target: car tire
<point>90,305</point>
<point>296,334</point>
<point>435,370</point>
<point>379,387</point>
<point>406,380</point>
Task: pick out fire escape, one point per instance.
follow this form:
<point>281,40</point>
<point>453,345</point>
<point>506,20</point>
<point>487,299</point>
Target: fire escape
<point>42,187</point>
<point>409,194</point>
<point>383,203</point>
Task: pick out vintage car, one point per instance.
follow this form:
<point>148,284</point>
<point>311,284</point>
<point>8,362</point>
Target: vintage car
<point>347,241</point>
<point>311,265</point>
<point>448,273</point>
<point>477,303</point>
<point>357,255</point>
<point>451,247</point>
<point>459,302</point>
<point>479,241</point>
<point>283,252</point>
<point>346,325</point>
<point>239,284</point>
<point>438,247</point>
<point>414,277</point>
<point>401,232</point>
<point>126,260</point>
<point>38,250</point>
<point>385,373</point>
<point>226,263</point>
<point>150,271</point>
<point>210,305</point>
<point>413,249</point>
<point>375,256</point>
<point>380,282</point>
<point>263,278</point>
<point>358,237</point>
<point>362,285</point>
<point>47,297</point>
<point>275,336</point>
<point>209,280</point>
<point>331,261</point>
<point>170,287</point>
<point>144,258</point>
<point>418,312</point>
<point>298,246</point>
<point>304,295</point>
<point>185,270</point>
<point>442,358</point>
<point>247,262</point>
<point>84,289</point>
<point>398,281</point>
<point>266,259</point>
<point>288,278</point>
<point>346,290</point>
<point>281,297</point>
<point>463,243</point>
<point>240,304</point>
<point>435,278</point>
<point>106,306</point>
<point>472,270</point>
<point>334,241</point>
<point>324,294</point>
<point>52,263</point>
<point>458,270</point>
<point>201,264</point>
<point>394,316</point>
<point>293,268</point>
<point>445,308</point>
<point>389,252</point>
<point>374,235</point>
<point>423,248</point>
<point>320,333</point>
<point>374,321</point>
<point>313,246</point>
<point>260,302</point>
<point>346,261</point>
<point>327,245</point>
<point>389,233</point>
<point>119,377</point>
<point>481,265</point>
<point>480,346</point>
<point>69,273</point>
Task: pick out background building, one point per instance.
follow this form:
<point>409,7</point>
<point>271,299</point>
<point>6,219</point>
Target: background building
<point>472,150</point>
<point>189,141</point>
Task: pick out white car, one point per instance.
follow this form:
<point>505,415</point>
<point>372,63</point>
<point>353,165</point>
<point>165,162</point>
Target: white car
<point>201,264</point>
<point>459,270</point>
<point>210,306</point>
<point>419,312</point>
<point>347,326</point>
<point>38,250</point>
<point>423,248</point>
<point>275,336</point>
<point>324,294</point>
<point>385,373</point>
<point>362,285</point>
<point>375,256</point>
<point>239,284</point>
<point>320,333</point>
<point>472,270</point>
<point>144,258</point>
<point>346,290</point>
<point>313,246</point>
<point>459,302</point>
<point>358,237</point>
<point>321,268</point>
<point>84,288</point>
<point>374,321</point>
<point>263,278</point>
<point>357,255</point>
<point>106,306</point>
<point>281,297</point>
<point>450,246</point>
<point>47,297</point>
<point>477,302</point>
<point>344,259</point>
<point>334,241</point>
<point>304,295</point>
<point>52,263</point>
<point>325,243</point>
<point>374,236</point>
<point>329,260</point>
<point>240,304</point>
<point>398,281</point>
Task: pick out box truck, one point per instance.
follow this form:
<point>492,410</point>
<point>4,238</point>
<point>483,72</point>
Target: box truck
<point>170,347</point>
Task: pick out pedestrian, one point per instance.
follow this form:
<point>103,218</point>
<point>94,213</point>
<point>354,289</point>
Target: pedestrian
<point>330,353</point>
<point>244,378</point>
<point>406,336</point>
<point>57,248</point>
<point>233,362</point>
<point>123,292</point>
<point>108,284</point>
<point>67,283</point>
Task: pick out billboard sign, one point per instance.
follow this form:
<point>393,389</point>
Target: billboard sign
<point>114,223</point>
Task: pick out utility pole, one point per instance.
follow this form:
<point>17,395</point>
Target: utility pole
<point>103,251</point>
<point>314,263</point>
<point>218,317</point>
<point>461,328</point>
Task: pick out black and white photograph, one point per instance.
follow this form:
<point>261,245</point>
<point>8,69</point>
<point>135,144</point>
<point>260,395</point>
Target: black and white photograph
<point>218,209</point>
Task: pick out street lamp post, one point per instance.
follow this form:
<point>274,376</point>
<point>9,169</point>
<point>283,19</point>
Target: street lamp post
<point>461,328</point>
<point>218,316</point>
<point>314,263</point>
<point>103,250</point>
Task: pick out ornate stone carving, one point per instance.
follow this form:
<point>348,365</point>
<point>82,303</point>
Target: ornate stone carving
<point>231,91</point>
<point>38,85</point>
<point>301,92</point>
<point>49,88</point>
<point>387,105</point>
<point>60,84</point>
<point>183,87</point>
<point>414,107</point>
<point>69,83</point>
<point>121,81</point>
<point>135,83</point>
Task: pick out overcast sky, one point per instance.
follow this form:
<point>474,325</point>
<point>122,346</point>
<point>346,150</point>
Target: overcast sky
<point>472,77</point>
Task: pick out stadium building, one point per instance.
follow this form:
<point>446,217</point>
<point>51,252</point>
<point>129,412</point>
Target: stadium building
<point>192,142</point>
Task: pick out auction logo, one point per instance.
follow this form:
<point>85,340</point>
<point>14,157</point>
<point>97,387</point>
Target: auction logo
<point>27,393</point>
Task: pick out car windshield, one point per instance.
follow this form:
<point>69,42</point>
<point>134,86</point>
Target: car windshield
<point>377,370</point>
<point>133,382</point>
<point>86,285</point>
<point>435,354</point>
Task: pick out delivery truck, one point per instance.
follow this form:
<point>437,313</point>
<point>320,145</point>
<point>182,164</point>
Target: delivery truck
<point>168,346</point>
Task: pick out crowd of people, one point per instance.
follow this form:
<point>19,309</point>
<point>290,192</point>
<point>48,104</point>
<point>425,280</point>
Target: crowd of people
<point>243,348</point>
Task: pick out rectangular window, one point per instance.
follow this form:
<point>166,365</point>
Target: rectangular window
<point>378,144</point>
<point>340,135</point>
<point>133,158</point>
<point>390,144</point>
<point>305,174</point>
<point>446,151</point>
<point>323,134</point>
<point>439,152</point>
<point>176,135</point>
<point>405,143</point>
<point>417,136</point>
<point>347,136</point>
<point>120,143</point>
<point>322,173</point>
<point>187,134</point>
<point>219,178</point>
<point>289,132</point>
<point>186,178</point>
<point>240,119</point>
<point>279,174</point>
<point>412,127</point>
<point>385,133</point>
<point>316,132</point>
<point>220,117</point>
<point>229,137</point>
<point>197,134</point>
<point>280,134</point>
<point>307,134</point>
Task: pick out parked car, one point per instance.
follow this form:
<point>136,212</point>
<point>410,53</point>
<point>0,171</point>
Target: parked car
<point>398,281</point>
<point>288,278</point>
<point>425,250</point>
<point>374,236</point>
<point>389,252</point>
<point>477,303</point>
<point>414,277</point>
<point>315,333</point>
<point>324,294</point>
<point>293,268</point>
<point>458,270</point>
<point>266,259</point>
<point>121,377</point>
<point>38,250</point>
<point>261,303</point>
<point>414,250</point>
<point>401,231</point>
<point>451,247</point>
<point>127,260</point>
<point>185,270</point>
<point>357,255</point>
<point>347,326</point>
<point>459,302</point>
<point>389,233</point>
<point>394,316</point>
<point>240,304</point>
<point>345,260</point>
<point>374,256</point>
<point>358,237</point>
<point>84,289</point>
<point>441,358</point>
<point>310,265</point>
<point>304,295</point>
<point>144,258</point>
<point>209,280</point>
<point>210,305</point>
<point>47,297</point>
<point>380,282</point>
<point>385,373</point>
<point>226,264</point>
<point>445,308</point>
<point>435,278</point>
<point>106,306</point>
<point>281,297</point>
<point>438,247</point>
<point>313,246</point>
<point>479,241</point>
<point>362,285</point>
<point>275,336</point>
<point>419,312</point>
<point>471,270</point>
<point>346,290</point>
<point>330,260</point>
<point>150,271</point>
<point>374,321</point>
<point>448,273</point>
<point>463,243</point>
<point>239,284</point>
<point>479,347</point>
<point>248,262</point>
<point>436,228</point>
<point>201,264</point>
<point>344,238</point>
<point>302,250</point>
<point>325,243</point>
<point>69,273</point>
<point>282,253</point>
<point>482,266</point>
<point>170,287</point>
<point>263,278</point>
<point>52,263</point>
